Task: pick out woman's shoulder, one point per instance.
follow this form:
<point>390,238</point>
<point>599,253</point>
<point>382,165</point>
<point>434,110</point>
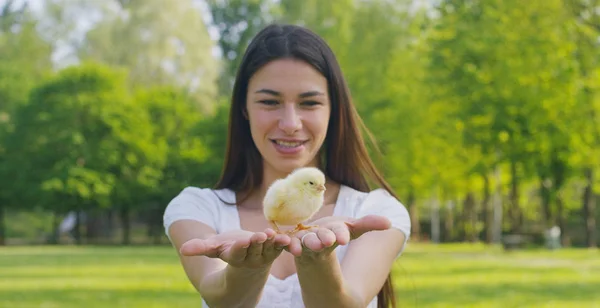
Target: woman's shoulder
<point>206,194</point>
<point>379,201</point>
<point>378,195</point>
<point>197,203</point>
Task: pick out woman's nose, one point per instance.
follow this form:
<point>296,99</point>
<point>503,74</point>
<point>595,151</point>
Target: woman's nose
<point>290,121</point>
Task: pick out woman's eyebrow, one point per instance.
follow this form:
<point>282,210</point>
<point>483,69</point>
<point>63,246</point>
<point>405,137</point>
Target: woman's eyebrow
<point>269,91</point>
<point>310,93</point>
<point>302,95</point>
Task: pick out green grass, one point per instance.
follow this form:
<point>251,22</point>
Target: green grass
<point>425,276</point>
<point>477,276</point>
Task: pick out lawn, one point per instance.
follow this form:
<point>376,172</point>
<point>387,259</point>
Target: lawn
<point>476,276</point>
<point>426,276</point>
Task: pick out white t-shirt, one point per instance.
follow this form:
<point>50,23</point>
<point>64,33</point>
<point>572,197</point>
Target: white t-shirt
<point>203,205</point>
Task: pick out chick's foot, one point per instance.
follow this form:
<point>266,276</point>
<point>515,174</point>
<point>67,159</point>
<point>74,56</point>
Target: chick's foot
<point>276,228</point>
<point>301,227</point>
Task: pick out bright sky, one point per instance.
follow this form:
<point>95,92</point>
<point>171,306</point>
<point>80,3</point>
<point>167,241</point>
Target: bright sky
<point>84,22</point>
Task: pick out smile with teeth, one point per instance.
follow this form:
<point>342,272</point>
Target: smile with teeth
<point>288,144</point>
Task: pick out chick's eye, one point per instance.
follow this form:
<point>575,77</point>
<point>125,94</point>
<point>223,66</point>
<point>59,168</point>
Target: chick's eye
<point>311,183</point>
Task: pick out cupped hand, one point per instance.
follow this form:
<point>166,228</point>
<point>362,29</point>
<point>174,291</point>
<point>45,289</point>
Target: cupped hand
<point>332,231</point>
<point>239,248</point>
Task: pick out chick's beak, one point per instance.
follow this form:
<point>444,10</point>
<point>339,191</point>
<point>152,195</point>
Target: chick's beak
<point>321,188</point>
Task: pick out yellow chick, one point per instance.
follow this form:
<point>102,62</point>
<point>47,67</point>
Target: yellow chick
<point>295,199</point>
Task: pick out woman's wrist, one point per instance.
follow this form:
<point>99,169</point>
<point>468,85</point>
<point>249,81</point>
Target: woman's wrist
<point>312,258</point>
<point>232,289</point>
<point>322,281</point>
<point>233,271</point>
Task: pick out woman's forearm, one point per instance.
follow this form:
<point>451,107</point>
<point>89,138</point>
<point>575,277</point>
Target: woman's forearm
<point>323,284</point>
<point>234,287</point>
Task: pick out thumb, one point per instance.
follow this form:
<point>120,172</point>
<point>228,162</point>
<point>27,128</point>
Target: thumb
<point>195,247</point>
<point>367,223</point>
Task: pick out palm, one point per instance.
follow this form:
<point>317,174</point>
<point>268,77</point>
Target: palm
<point>239,248</point>
<point>332,231</point>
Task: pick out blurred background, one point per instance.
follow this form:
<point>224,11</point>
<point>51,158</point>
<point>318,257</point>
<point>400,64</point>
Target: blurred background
<point>486,114</point>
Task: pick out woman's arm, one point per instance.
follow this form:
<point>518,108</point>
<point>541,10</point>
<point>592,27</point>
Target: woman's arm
<point>323,284</point>
<point>219,284</point>
<point>369,260</point>
<point>358,279</point>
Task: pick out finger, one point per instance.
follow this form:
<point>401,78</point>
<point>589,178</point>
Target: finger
<point>256,246</point>
<point>368,223</point>
<point>311,241</point>
<point>341,233</point>
<point>268,246</point>
<point>237,251</point>
<point>199,247</point>
<point>295,247</point>
<point>281,241</point>
<point>326,236</point>
<point>270,233</point>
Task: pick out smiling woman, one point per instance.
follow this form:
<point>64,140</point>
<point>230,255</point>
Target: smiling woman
<point>288,109</point>
<point>291,109</point>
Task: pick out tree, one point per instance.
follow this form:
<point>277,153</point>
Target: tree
<point>24,60</point>
<point>506,81</point>
<point>83,143</point>
<point>237,22</point>
<point>159,44</point>
<point>585,26</point>
<point>174,119</point>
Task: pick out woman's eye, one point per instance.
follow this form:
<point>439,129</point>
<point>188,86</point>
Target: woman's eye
<point>310,103</point>
<point>269,102</point>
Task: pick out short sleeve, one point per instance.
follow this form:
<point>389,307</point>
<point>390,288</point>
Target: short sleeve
<point>380,202</point>
<point>199,204</point>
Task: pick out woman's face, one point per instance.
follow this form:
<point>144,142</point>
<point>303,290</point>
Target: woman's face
<point>288,109</point>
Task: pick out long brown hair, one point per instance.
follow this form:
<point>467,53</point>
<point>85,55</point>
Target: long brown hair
<point>345,158</point>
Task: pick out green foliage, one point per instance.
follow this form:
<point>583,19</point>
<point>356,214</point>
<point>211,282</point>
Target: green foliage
<point>237,22</point>
<point>81,136</point>
<point>468,100</point>
<point>24,61</point>
<point>159,44</point>
<point>174,117</point>
<point>29,225</point>
<point>213,132</point>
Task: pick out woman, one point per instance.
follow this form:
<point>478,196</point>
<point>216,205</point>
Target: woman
<point>290,108</point>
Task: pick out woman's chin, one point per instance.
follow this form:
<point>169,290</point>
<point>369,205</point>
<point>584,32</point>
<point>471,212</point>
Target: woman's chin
<point>289,166</point>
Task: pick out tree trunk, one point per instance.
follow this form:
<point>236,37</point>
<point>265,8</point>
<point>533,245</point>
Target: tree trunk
<point>55,229</point>
<point>154,222</point>
<point>125,225</point>
<point>93,226</point>
<point>109,231</point>
<point>414,216</point>
<point>435,221</point>
<point>558,171</point>
<point>470,221</point>
<point>2,225</point>
<point>77,228</point>
<point>448,234</point>
<point>486,211</point>
<point>545,197</point>
<point>589,210</point>
<point>498,208</point>
<point>561,220</point>
<point>515,209</point>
